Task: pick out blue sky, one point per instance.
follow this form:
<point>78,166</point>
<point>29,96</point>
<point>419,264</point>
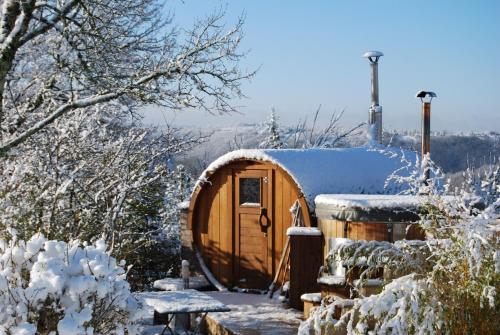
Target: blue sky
<point>310,54</point>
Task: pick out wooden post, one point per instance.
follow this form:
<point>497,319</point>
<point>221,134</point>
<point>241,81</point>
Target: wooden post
<point>185,273</point>
<point>306,257</point>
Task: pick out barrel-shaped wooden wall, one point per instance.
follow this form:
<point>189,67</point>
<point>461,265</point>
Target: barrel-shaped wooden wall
<point>212,220</point>
<point>212,231</point>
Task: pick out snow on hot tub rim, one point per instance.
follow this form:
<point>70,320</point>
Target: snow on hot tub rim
<point>369,201</point>
<point>368,207</point>
<point>373,207</point>
<point>375,201</point>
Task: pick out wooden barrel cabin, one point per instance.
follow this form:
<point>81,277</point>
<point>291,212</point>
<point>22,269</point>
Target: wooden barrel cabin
<point>239,211</point>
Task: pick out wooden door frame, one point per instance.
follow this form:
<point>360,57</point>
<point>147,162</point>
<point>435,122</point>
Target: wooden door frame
<point>236,173</point>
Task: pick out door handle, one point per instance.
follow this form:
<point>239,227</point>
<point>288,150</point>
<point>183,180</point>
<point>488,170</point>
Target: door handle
<point>263,215</point>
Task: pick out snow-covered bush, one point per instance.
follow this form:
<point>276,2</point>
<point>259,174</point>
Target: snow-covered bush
<point>448,284</point>
<point>155,253</point>
<point>415,176</point>
<point>49,286</point>
<point>97,174</point>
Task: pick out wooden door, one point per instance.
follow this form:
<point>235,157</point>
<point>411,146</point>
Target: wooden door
<point>253,230</point>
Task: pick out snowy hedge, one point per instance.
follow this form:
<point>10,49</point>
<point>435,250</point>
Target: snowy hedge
<point>49,286</point>
<point>447,284</point>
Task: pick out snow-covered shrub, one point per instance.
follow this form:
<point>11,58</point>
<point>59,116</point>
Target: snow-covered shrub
<point>49,286</point>
<point>447,284</point>
<point>97,174</point>
<point>156,254</point>
<point>415,176</point>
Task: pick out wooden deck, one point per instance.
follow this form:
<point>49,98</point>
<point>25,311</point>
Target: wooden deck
<point>252,314</point>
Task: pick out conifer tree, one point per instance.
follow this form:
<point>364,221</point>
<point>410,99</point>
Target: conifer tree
<point>273,138</point>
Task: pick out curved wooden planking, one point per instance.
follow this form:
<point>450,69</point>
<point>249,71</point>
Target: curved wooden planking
<point>210,216</point>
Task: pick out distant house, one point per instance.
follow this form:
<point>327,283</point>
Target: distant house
<point>239,212</point>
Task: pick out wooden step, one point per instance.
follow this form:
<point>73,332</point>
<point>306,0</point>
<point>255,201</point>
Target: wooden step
<point>334,285</point>
<point>368,287</point>
<point>342,305</point>
<point>310,300</point>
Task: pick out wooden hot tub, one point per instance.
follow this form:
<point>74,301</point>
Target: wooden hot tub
<point>368,217</point>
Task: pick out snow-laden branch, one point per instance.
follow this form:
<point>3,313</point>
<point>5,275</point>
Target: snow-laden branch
<point>97,173</point>
<point>79,104</point>
<point>60,56</point>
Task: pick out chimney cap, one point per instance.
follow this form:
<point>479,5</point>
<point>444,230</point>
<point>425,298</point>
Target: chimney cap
<point>425,94</point>
<point>372,53</point>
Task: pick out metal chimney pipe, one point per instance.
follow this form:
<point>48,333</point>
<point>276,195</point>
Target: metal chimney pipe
<point>426,124</point>
<point>375,111</point>
<point>426,128</point>
<point>374,66</point>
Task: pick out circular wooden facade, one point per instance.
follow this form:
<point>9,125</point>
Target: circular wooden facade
<point>239,218</point>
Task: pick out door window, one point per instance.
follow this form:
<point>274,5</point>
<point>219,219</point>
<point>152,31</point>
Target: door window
<point>250,192</point>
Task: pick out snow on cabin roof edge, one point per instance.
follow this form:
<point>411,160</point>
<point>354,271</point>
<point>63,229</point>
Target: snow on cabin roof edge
<point>241,154</point>
<point>360,170</point>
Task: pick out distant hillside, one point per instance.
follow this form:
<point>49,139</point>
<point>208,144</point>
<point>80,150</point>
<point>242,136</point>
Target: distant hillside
<point>453,152</point>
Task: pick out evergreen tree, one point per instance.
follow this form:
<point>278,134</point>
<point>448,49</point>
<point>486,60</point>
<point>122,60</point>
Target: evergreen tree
<point>481,187</point>
<point>273,138</point>
<point>490,184</point>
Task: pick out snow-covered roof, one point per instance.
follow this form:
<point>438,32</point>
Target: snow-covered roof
<point>360,170</point>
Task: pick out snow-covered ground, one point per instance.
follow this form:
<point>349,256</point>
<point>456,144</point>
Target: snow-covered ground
<point>255,314</point>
